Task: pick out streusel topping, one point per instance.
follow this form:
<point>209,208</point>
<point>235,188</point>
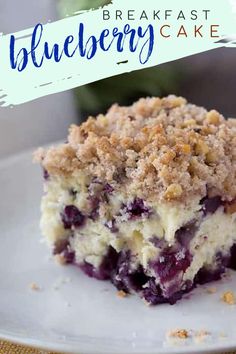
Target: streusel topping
<point>157,148</point>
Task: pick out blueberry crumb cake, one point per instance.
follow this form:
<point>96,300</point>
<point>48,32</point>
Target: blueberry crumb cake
<point>145,196</point>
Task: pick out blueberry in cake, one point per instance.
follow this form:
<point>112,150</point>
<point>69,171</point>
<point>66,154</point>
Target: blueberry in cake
<point>145,196</point>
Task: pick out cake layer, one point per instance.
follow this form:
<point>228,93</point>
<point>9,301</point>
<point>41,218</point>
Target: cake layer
<point>170,243</point>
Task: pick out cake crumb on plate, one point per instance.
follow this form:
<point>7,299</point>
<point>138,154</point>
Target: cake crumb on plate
<point>211,290</point>
<point>35,287</point>
<point>121,294</point>
<point>60,259</point>
<point>228,297</point>
<point>178,333</point>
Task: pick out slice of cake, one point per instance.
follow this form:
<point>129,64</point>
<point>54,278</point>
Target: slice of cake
<point>144,196</point>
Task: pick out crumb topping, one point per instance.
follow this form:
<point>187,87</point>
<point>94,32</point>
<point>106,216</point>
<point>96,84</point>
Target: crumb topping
<point>229,298</point>
<point>156,147</point>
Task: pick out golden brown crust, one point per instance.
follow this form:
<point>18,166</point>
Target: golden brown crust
<point>165,148</point>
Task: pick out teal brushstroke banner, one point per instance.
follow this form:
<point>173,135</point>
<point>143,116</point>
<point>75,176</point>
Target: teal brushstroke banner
<point>118,38</point>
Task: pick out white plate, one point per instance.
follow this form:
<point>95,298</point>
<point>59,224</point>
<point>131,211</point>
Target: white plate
<point>80,314</point>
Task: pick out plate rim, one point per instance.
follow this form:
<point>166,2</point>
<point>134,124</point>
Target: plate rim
<point>66,348</point>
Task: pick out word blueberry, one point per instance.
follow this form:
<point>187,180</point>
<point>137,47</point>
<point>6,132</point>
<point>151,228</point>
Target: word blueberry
<point>140,39</point>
